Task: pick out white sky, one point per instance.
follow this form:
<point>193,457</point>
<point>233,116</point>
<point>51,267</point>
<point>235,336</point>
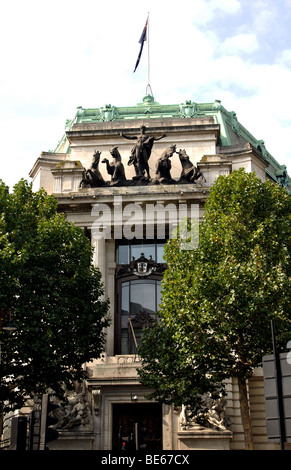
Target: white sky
<point>58,55</point>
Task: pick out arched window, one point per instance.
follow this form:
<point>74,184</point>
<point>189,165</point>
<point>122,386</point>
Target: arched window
<point>139,274</point>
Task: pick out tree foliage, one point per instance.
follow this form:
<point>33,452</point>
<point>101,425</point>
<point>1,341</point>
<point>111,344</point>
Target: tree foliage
<point>174,376</point>
<point>53,293</point>
<point>218,300</point>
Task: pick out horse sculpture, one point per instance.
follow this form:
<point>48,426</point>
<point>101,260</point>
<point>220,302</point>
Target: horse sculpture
<point>93,177</point>
<point>115,168</point>
<point>190,173</point>
<point>163,167</point>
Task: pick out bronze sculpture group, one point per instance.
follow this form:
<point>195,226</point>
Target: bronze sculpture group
<point>139,158</point>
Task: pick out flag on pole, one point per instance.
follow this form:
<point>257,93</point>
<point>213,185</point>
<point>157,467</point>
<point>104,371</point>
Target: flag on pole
<point>143,38</point>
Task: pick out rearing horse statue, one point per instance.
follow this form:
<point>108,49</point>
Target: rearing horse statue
<point>190,173</point>
<point>93,177</point>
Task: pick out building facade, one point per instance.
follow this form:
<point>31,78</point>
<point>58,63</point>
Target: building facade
<point>126,176</point>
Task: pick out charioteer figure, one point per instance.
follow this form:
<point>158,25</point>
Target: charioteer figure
<point>141,152</point>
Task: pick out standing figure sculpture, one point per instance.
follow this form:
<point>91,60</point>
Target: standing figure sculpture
<point>115,168</point>
<point>93,177</point>
<point>141,152</point>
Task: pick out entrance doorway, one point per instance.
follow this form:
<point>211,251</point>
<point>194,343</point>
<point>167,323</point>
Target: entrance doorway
<point>137,427</point>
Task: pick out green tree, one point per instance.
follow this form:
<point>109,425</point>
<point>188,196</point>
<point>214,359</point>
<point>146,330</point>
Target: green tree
<point>53,294</point>
<point>218,300</point>
<point>175,375</point>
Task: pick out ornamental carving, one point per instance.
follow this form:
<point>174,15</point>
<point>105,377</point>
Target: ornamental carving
<point>233,121</point>
<point>188,109</point>
<point>142,319</point>
<point>141,267</point>
<point>282,176</point>
<point>108,113</point>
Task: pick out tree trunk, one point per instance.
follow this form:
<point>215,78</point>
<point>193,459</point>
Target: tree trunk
<point>245,414</point>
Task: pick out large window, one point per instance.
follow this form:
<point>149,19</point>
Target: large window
<point>126,251</point>
<point>139,303</point>
<point>140,296</point>
<point>138,292</point>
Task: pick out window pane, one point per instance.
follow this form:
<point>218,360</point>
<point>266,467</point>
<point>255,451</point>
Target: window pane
<point>123,254</point>
<point>153,250</point>
<point>136,251</point>
<point>147,249</point>
<point>125,299</point>
<point>124,322</point>
<point>124,341</point>
<point>160,253</point>
<point>142,296</point>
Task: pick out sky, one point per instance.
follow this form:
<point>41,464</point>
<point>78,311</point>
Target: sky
<point>56,56</point>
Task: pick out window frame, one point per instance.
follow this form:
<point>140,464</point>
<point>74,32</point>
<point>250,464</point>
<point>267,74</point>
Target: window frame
<point>123,274</point>
<point>130,244</point>
<point>118,315</point>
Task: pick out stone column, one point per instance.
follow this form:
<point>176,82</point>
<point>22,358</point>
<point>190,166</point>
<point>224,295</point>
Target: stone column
<point>99,258</point>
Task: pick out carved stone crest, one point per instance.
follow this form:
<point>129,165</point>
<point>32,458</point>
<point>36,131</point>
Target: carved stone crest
<point>188,109</point>
<point>142,267</point>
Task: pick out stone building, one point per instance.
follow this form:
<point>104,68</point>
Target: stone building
<point>101,182</point>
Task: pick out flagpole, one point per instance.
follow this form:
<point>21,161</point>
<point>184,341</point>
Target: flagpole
<point>145,37</point>
<point>148,48</point>
<point>148,90</point>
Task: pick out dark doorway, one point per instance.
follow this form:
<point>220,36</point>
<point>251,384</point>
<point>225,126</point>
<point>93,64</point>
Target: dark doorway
<point>137,427</point>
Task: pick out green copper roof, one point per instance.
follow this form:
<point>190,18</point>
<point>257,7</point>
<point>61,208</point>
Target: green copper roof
<point>231,131</point>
